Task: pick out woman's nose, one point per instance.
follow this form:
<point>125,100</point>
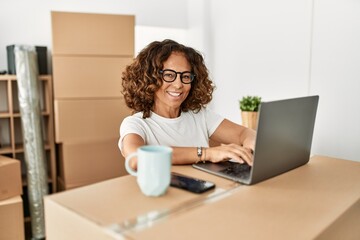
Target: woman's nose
<point>177,82</point>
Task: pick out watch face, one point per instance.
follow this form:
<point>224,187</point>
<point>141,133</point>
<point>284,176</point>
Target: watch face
<point>199,151</point>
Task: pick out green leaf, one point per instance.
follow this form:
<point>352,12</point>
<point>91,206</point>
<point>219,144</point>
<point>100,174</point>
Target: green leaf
<point>250,103</point>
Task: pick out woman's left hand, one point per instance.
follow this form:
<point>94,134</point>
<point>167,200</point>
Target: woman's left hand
<point>225,152</point>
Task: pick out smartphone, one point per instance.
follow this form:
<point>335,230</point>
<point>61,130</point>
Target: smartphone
<point>191,184</point>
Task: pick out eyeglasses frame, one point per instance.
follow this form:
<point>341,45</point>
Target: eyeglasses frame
<point>192,76</point>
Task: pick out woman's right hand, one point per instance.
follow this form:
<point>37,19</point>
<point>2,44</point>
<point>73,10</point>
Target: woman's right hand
<point>130,144</point>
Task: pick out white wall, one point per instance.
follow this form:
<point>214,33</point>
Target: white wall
<point>275,49</point>
<point>280,48</point>
<point>261,48</point>
<point>145,34</point>
<point>335,76</point>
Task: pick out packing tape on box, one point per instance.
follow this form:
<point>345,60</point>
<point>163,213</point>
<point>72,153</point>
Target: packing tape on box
<point>118,230</point>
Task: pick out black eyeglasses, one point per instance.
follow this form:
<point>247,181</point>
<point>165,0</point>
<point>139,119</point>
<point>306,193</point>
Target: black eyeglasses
<point>169,75</point>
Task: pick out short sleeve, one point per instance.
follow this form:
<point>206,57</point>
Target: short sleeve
<point>213,120</point>
<point>130,124</point>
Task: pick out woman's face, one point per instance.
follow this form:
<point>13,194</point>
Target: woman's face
<point>171,95</point>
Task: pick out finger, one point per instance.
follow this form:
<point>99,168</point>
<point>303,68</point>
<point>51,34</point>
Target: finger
<point>238,153</point>
<point>235,159</point>
<point>250,150</point>
<point>246,156</point>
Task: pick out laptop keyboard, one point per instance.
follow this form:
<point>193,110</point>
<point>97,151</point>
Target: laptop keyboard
<point>237,169</point>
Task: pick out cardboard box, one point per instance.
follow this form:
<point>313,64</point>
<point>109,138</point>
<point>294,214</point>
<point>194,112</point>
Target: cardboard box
<point>319,200</point>
<point>89,162</point>
<point>11,219</point>
<point>10,178</point>
<point>92,34</point>
<point>88,77</point>
<point>88,120</point>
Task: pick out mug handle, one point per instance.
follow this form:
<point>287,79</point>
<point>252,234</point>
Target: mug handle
<point>127,164</point>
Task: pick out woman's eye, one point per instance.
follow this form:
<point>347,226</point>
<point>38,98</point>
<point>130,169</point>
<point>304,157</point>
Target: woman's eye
<point>169,75</point>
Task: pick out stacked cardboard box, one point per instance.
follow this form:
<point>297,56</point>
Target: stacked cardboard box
<point>90,52</point>
<point>11,208</point>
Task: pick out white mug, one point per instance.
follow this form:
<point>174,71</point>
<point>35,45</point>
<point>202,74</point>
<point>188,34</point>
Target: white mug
<point>153,169</point>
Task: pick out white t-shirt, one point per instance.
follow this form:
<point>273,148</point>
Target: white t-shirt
<point>189,130</point>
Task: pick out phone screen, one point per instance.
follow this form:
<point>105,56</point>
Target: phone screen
<point>191,184</point>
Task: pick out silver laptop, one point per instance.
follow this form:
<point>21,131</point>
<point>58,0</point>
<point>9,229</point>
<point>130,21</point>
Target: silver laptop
<point>283,141</point>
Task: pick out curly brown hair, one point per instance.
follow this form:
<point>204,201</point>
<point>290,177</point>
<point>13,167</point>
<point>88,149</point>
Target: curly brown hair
<point>142,79</point>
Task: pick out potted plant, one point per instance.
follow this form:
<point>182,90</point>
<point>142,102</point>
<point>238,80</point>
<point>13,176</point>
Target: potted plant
<point>249,106</point>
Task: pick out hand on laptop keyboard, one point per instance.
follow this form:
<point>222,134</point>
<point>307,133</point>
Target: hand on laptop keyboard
<point>224,152</point>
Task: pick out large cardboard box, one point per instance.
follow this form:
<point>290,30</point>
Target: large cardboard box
<point>319,200</point>
<point>88,77</point>
<point>89,162</point>
<point>88,120</point>
<point>92,34</point>
<point>10,178</point>
<point>11,219</point>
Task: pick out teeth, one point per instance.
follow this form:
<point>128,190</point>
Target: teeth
<point>174,94</point>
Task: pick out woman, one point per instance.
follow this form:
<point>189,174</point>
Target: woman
<point>168,87</point>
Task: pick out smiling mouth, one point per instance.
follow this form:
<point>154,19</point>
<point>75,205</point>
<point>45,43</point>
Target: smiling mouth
<point>174,94</point>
